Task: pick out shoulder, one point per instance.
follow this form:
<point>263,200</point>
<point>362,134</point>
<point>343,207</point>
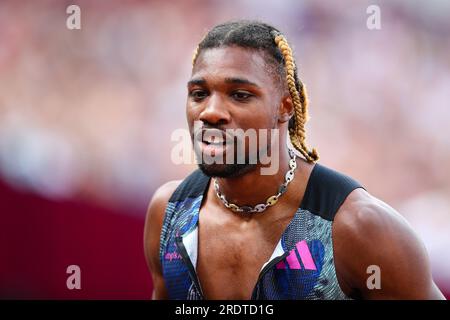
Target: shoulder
<point>157,205</point>
<point>368,234</point>
<point>193,184</point>
<point>163,194</point>
<point>155,217</point>
<point>363,215</point>
<point>152,229</point>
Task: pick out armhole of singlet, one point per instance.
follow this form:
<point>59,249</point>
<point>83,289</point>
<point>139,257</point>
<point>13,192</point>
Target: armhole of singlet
<point>326,191</point>
<point>192,186</point>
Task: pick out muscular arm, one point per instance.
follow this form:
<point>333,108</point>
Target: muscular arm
<point>152,232</point>
<point>367,232</point>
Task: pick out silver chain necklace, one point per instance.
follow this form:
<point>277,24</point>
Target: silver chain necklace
<point>271,200</point>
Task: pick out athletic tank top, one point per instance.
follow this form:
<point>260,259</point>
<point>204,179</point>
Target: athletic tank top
<point>301,266</point>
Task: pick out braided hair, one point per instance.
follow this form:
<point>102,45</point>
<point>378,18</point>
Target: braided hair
<point>261,36</point>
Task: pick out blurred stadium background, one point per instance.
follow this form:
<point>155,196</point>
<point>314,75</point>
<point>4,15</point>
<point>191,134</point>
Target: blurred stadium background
<point>86,117</point>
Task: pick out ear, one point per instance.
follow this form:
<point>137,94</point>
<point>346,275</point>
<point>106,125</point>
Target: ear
<point>286,109</point>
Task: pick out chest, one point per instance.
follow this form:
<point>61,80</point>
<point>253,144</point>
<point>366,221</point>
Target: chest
<point>231,254</point>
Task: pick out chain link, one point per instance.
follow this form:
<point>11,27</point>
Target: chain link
<point>272,200</point>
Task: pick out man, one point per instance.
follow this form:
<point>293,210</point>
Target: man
<point>228,231</point>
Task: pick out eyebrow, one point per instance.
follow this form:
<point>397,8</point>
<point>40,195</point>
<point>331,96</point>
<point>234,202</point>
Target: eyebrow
<point>240,81</point>
<point>198,82</point>
<point>233,80</point>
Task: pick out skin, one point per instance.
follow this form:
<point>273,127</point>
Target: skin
<point>366,231</point>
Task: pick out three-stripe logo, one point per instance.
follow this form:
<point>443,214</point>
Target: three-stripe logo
<point>305,257</point>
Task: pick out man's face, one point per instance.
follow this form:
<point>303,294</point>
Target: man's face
<point>230,88</point>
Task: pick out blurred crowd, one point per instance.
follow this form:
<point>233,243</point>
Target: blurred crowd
<point>89,113</point>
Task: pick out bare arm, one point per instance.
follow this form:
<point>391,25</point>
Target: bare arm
<point>152,231</point>
<point>367,232</point>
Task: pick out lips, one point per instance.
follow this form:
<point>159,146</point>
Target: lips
<point>216,140</point>
<point>212,136</point>
<point>212,142</point>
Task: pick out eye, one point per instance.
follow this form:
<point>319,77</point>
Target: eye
<point>198,95</point>
<point>241,96</point>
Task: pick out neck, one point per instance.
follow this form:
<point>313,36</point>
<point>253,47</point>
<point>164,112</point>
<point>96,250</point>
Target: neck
<point>253,188</point>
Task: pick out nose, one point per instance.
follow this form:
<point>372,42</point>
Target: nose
<point>215,111</point>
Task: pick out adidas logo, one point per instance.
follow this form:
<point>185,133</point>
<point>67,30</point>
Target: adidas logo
<point>292,259</point>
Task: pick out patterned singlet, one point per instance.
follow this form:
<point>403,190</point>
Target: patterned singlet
<point>301,266</point>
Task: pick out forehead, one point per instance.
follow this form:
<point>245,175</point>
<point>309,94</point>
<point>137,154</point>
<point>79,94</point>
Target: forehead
<point>233,61</point>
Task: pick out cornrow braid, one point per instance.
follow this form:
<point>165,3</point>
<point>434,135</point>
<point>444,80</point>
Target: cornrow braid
<point>261,36</point>
<point>299,98</point>
<point>196,52</point>
<point>194,56</point>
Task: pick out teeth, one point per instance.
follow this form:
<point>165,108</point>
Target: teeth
<point>214,140</point>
